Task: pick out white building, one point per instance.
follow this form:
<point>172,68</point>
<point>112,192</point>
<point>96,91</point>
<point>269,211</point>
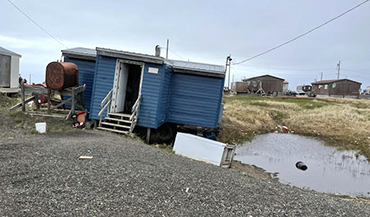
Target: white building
<point>285,86</point>
<point>9,70</point>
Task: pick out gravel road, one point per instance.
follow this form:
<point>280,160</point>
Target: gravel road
<point>41,175</point>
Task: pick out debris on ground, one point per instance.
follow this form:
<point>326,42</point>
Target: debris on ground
<point>203,149</point>
<point>85,157</point>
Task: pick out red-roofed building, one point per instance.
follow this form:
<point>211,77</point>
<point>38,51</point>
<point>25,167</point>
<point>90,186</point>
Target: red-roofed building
<point>285,86</point>
<point>337,88</point>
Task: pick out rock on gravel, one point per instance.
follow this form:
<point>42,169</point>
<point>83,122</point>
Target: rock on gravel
<point>42,175</point>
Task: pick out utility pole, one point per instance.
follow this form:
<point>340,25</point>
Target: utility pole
<point>228,60</point>
<point>321,76</point>
<point>338,65</point>
<point>168,42</point>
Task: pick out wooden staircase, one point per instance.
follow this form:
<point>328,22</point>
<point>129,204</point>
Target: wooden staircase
<point>117,122</point>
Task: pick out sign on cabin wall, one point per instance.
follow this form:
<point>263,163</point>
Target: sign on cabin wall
<point>153,70</point>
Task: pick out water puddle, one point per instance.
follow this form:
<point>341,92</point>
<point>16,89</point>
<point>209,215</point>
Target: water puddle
<point>329,170</point>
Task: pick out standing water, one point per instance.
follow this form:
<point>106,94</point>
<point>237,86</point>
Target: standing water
<point>329,170</point>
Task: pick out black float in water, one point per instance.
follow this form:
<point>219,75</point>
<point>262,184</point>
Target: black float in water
<point>300,165</point>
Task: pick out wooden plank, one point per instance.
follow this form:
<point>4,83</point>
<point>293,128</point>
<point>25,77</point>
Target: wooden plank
<point>102,110</point>
<point>31,89</point>
<point>10,90</point>
<point>60,104</point>
<point>69,115</point>
<point>37,102</point>
<point>118,120</point>
<point>85,157</point>
<point>20,104</point>
<point>115,125</point>
<point>120,114</point>
<point>112,130</point>
<point>45,115</point>
<point>106,98</point>
<point>68,91</point>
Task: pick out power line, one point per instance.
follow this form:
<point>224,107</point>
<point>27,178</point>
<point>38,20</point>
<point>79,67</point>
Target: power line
<point>285,43</point>
<point>176,54</point>
<point>36,24</point>
<point>355,70</point>
<point>295,69</point>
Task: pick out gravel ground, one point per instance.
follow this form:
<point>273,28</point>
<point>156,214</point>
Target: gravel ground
<point>41,175</point>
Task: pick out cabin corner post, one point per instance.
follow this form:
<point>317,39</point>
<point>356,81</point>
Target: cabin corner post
<point>148,134</point>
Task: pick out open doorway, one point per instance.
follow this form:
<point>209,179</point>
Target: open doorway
<point>126,87</point>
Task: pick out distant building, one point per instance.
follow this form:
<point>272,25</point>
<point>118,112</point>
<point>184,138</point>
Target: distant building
<point>265,83</point>
<point>239,87</point>
<point>366,91</point>
<point>303,89</point>
<point>337,88</point>
<point>285,86</point>
<point>9,69</point>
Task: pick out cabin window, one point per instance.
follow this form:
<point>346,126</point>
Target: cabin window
<point>334,85</point>
<point>320,86</point>
<point>326,86</point>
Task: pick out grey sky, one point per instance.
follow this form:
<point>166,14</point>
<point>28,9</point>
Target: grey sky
<point>201,31</point>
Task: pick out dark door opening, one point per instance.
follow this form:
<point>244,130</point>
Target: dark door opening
<point>133,87</point>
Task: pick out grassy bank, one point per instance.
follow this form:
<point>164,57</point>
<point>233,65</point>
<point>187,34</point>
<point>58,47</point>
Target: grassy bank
<point>16,124</point>
<point>344,123</point>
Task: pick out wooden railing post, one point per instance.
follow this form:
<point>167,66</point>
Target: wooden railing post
<point>105,105</point>
<point>23,97</point>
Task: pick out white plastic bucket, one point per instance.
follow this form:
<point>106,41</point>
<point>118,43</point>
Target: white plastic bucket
<point>41,127</point>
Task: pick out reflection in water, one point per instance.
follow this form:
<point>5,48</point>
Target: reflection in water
<point>329,170</point>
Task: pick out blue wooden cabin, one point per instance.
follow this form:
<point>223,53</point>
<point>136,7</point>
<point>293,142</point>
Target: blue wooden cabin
<point>126,89</point>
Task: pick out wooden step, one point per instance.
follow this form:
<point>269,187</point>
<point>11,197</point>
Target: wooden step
<point>113,130</point>
<point>120,115</point>
<point>118,120</point>
<point>115,125</point>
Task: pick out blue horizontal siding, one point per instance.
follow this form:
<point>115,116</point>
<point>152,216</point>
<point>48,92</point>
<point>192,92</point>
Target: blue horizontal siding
<point>151,92</point>
<point>86,70</point>
<point>103,82</point>
<point>195,100</point>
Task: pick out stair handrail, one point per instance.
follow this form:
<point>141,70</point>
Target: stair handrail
<point>105,104</point>
<point>135,113</point>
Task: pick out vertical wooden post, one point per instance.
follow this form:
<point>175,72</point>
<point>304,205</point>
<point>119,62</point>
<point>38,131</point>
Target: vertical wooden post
<point>23,97</point>
<point>73,101</point>
<point>148,134</point>
<point>37,102</point>
<point>49,101</point>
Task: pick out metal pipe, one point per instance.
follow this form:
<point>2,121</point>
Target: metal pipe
<point>228,59</point>
<point>168,42</point>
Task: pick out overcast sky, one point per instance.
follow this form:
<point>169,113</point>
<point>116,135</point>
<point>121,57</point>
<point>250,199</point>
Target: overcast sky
<point>200,31</point>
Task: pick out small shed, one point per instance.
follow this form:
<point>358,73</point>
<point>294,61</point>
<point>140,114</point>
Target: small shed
<point>267,83</point>
<point>9,69</point>
<point>239,87</point>
<point>337,88</point>
<point>165,91</point>
<point>285,86</point>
